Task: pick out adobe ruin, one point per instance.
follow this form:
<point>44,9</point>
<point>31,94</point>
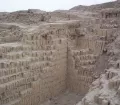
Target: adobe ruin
<point>50,53</point>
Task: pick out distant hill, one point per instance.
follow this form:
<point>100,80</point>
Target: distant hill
<point>35,16</point>
<point>97,7</point>
<point>30,11</point>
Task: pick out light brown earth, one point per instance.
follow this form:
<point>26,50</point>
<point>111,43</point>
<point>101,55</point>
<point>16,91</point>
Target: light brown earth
<point>65,57</point>
<point>67,98</point>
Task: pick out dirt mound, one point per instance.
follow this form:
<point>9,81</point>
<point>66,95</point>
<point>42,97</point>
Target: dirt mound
<point>28,17</point>
<point>97,7</point>
<point>34,16</point>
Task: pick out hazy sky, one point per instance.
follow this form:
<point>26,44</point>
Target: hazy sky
<point>47,5</point>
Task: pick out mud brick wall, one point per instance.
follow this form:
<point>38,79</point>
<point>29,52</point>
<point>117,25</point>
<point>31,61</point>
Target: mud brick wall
<point>47,61</point>
<point>82,60</point>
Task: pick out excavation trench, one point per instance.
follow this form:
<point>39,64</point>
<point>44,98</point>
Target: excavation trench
<point>51,64</point>
<point>66,98</point>
<point>85,62</point>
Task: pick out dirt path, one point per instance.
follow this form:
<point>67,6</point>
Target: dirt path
<point>65,99</point>
<point>102,63</point>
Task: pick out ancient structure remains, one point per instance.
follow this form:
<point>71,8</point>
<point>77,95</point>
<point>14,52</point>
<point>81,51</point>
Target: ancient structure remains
<point>44,54</point>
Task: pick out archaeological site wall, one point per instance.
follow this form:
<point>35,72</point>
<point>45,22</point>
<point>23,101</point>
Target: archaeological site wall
<point>39,62</point>
<point>105,90</point>
<point>34,70</point>
<point>46,61</point>
<point>82,64</point>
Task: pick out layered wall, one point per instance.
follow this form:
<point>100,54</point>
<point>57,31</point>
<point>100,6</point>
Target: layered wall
<point>38,63</point>
<point>34,69</point>
<point>105,90</point>
<point>46,61</point>
<point>82,59</point>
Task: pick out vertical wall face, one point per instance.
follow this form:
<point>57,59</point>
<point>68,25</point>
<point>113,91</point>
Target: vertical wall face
<point>35,70</point>
<point>82,59</point>
<point>82,63</point>
<point>50,69</point>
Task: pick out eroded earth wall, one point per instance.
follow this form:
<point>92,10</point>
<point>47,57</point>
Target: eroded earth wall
<point>106,89</point>
<point>33,69</point>
<point>39,62</point>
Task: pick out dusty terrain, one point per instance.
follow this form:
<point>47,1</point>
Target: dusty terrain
<point>65,57</point>
<point>67,98</point>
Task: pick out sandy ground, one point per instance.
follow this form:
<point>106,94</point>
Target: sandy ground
<point>65,99</point>
<point>102,63</point>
